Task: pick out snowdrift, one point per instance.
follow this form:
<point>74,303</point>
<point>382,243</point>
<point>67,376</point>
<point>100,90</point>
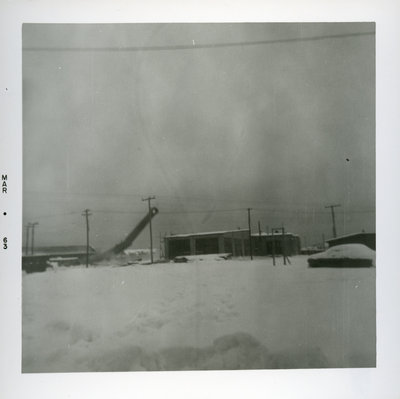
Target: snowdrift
<point>346,255</point>
<point>230,352</point>
<point>200,315</point>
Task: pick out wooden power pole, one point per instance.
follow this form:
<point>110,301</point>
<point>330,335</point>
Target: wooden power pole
<point>148,199</point>
<point>33,236</point>
<point>333,218</point>
<point>250,241</point>
<point>28,226</point>
<point>283,245</point>
<point>87,213</point>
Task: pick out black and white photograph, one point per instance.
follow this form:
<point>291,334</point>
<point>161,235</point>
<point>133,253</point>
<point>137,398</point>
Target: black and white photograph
<point>199,199</point>
<point>198,196</point>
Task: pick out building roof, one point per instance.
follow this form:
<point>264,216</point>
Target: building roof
<point>263,234</point>
<point>63,250</point>
<point>362,233</point>
<point>208,233</point>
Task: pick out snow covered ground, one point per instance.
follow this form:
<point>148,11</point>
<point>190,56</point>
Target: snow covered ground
<point>227,314</point>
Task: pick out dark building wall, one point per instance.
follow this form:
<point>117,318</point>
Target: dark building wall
<point>237,248</point>
<point>234,242</point>
<point>37,263</point>
<point>278,244</point>
<point>228,245</point>
<point>179,247</point>
<point>207,245</point>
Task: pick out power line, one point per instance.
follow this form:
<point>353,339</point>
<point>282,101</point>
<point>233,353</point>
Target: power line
<point>312,212</point>
<point>202,211</point>
<point>199,198</point>
<point>120,212</point>
<point>173,197</point>
<point>56,215</point>
<point>285,211</point>
<point>271,210</point>
<point>196,46</point>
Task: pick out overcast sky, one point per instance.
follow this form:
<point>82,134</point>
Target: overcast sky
<point>113,113</point>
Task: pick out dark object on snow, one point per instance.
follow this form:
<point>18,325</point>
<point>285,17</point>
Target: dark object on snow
<point>180,259</point>
<point>343,262</point>
<point>191,258</point>
<point>35,263</point>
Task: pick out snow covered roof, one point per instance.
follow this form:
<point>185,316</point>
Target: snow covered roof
<point>263,234</point>
<point>63,250</point>
<point>361,233</point>
<point>347,251</point>
<point>208,233</point>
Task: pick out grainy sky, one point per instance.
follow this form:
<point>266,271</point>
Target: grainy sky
<point>116,112</point>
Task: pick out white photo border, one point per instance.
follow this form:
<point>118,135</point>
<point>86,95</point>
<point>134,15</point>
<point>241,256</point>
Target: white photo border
<point>381,381</point>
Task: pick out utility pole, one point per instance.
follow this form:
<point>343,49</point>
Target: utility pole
<point>87,213</point>
<point>250,241</point>
<point>148,199</point>
<point>273,247</point>
<point>333,218</point>
<point>33,236</point>
<point>283,245</point>
<point>28,226</point>
<point>161,247</point>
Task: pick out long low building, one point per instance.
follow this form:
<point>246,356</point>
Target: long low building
<point>39,260</point>
<point>368,239</point>
<point>235,242</point>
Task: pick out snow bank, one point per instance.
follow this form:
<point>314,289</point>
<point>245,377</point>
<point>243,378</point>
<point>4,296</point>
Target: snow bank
<point>229,352</point>
<point>233,314</point>
<point>355,254</point>
<point>349,251</point>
